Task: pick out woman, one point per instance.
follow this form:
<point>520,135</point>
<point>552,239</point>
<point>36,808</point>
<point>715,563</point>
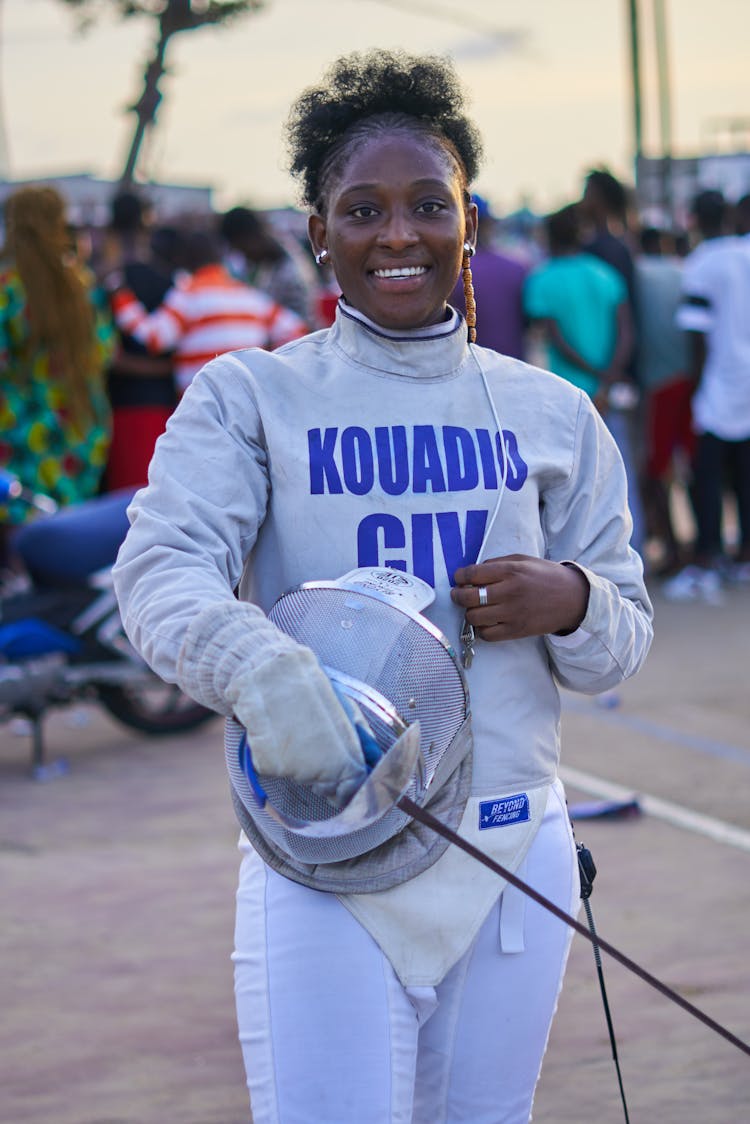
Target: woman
<point>342,450</point>
<point>55,339</point>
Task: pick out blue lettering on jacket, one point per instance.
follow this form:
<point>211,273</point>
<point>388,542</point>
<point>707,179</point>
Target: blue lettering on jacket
<point>422,547</point>
<point>431,459</point>
<point>356,453</point>
<point>427,467</point>
<point>382,541</point>
<point>393,459</point>
<point>324,475</point>
<point>507,454</point>
<point>461,459</point>
<point>487,455</point>
<point>422,460</point>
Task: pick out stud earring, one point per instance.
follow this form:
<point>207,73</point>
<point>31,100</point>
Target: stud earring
<point>470,302</point>
<point>322,258</point>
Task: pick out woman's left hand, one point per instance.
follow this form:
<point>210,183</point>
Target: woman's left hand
<point>523,596</point>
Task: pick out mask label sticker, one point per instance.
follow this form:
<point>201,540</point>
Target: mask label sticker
<point>504,811</point>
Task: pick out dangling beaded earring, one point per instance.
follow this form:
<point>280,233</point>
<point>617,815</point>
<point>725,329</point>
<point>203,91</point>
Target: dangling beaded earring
<point>471,304</point>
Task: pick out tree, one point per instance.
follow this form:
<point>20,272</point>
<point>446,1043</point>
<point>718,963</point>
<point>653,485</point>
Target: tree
<point>171,17</point>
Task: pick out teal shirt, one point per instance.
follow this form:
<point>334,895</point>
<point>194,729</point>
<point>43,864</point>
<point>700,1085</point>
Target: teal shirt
<point>582,294</point>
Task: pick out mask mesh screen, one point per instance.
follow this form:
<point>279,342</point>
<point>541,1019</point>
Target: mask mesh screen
<point>397,655</point>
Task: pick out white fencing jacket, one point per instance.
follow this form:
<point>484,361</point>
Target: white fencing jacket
<point>353,447</point>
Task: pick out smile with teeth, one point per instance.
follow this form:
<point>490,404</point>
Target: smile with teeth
<point>401,271</point>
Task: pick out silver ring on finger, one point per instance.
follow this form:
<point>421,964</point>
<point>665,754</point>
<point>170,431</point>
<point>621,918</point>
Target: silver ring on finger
<point>483,599</point>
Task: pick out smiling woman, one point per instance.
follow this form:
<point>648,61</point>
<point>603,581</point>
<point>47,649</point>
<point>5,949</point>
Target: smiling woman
<point>389,189</point>
<point>402,985</point>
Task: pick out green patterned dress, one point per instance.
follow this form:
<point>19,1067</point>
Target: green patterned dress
<point>38,442</point>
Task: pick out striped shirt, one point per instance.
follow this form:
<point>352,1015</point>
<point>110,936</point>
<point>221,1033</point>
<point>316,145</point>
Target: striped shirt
<point>204,315</point>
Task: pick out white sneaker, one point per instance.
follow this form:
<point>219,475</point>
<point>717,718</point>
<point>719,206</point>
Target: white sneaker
<point>711,588</point>
<point>694,583</point>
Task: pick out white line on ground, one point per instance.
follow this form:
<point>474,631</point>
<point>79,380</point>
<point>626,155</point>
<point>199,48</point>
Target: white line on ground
<point>640,725</point>
<point>675,814</point>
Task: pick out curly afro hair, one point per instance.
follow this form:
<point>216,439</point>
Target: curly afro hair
<point>379,90</point>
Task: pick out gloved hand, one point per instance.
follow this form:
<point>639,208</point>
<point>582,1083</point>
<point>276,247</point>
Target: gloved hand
<point>296,727</point>
<point>370,748</point>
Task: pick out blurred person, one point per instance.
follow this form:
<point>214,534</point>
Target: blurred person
<point>713,311</point>
<point>580,304</point>
<point>167,250</point>
<point>264,259</point>
<point>681,240</point>
<point>141,385</point>
<point>662,363</point>
<point>498,286</point>
<point>604,208</point>
<point>56,336</point>
<point>519,236</point>
<point>80,245</point>
<point>125,238</point>
<point>742,215</point>
<point>206,313</point>
<point>605,234</point>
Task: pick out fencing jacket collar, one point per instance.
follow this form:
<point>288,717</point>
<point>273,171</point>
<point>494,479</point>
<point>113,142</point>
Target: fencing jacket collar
<point>431,352</point>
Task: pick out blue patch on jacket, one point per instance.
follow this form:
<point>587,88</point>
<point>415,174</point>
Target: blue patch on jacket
<point>504,811</point>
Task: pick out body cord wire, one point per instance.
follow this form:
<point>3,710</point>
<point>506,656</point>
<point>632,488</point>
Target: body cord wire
<point>587,874</point>
<point>468,637</point>
<point>406,804</point>
<point>605,1001</point>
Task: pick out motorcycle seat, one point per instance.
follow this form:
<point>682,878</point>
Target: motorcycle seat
<point>75,542</point>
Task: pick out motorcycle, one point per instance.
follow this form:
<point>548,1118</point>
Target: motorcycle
<point>62,642</point>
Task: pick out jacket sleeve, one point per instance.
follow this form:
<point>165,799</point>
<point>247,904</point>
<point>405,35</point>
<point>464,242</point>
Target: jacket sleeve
<point>160,330</point>
<point>191,530</point>
<point>695,311</point>
<point>586,521</point>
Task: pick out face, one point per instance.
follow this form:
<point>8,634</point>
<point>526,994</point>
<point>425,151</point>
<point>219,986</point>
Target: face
<point>395,225</point>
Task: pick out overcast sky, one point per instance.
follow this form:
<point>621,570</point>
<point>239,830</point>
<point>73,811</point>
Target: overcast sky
<point>550,91</point>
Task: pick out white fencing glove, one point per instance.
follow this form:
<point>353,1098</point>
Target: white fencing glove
<point>296,727</point>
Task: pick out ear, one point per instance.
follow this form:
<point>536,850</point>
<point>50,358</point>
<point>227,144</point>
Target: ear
<point>316,232</point>
<point>472,224</point>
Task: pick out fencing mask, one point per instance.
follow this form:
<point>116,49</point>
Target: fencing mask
<point>368,632</point>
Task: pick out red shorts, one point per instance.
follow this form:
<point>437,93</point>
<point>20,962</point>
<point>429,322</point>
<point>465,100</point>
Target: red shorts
<point>669,425</point>
<point>134,433</point>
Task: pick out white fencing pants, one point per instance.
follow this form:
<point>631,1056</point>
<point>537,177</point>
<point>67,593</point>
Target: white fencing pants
<point>330,1035</point>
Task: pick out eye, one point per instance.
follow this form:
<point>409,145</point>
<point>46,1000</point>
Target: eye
<point>431,207</point>
<point>363,211</point>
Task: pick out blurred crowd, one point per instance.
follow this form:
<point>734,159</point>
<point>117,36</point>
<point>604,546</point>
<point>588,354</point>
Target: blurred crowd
<point>102,331</point>
<point>653,324</point>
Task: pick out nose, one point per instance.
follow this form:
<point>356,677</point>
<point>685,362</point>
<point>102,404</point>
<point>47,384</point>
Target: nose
<point>398,230</point>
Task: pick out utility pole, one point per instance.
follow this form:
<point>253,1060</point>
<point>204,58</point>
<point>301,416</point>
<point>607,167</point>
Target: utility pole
<point>635,81</point>
<point>665,103</point>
